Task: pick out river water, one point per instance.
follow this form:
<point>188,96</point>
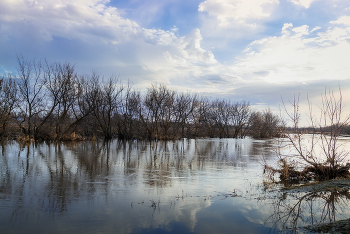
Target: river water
<point>184,186</point>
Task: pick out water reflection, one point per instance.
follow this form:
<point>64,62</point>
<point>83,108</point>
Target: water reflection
<point>303,208</point>
<point>200,186</point>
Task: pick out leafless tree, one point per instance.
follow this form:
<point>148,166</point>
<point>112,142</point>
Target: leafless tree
<point>240,114</point>
<point>205,118</point>
<point>156,111</point>
<point>265,124</point>
<point>63,91</point>
<point>53,102</point>
<point>219,116</point>
<point>106,102</point>
<point>84,106</point>
<point>8,100</point>
<point>319,153</point>
<point>166,113</point>
<point>133,127</point>
<point>31,94</point>
<point>127,113</point>
<point>184,107</point>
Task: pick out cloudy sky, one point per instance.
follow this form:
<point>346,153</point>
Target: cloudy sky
<point>254,50</point>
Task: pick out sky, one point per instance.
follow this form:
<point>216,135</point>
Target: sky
<point>261,51</point>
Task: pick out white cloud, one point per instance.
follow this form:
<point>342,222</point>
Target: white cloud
<point>315,28</point>
<point>295,62</point>
<point>342,20</point>
<point>296,57</point>
<point>301,31</point>
<point>304,3</point>
<point>231,12</point>
<point>94,35</point>
<point>285,28</point>
<point>103,36</point>
<point>191,50</point>
<point>83,20</point>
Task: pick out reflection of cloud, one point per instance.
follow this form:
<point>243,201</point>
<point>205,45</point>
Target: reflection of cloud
<point>105,184</point>
<point>187,210</point>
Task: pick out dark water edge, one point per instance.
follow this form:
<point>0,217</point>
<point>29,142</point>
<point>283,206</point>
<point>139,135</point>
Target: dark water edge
<point>185,186</point>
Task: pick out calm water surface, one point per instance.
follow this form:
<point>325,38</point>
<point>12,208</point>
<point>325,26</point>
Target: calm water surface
<point>185,186</point>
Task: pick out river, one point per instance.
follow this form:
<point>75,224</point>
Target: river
<point>183,186</point>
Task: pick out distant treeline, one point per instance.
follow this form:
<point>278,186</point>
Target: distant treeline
<point>344,130</point>
<point>50,101</point>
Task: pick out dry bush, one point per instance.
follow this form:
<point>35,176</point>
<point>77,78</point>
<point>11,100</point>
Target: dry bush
<point>319,154</point>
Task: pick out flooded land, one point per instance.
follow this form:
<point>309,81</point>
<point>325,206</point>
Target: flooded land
<point>183,186</point>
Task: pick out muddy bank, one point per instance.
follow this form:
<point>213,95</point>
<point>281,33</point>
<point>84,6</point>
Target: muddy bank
<point>340,185</point>
<point>342,226</point>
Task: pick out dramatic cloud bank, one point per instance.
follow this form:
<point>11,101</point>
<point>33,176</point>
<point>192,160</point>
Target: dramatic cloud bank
<point>257,50</point>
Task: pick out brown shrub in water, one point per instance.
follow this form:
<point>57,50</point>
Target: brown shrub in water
<point>288,173</point>
<point>323,140</point>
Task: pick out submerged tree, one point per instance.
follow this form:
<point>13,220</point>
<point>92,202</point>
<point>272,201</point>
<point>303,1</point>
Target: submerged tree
<point>106,100</point>
<point>63,90</point>
<point>8,99</point>
<point>184,108</point>
<point>31,95</point>
<point>319,154</point>
<point>265,124</point>
<point>51,101</point>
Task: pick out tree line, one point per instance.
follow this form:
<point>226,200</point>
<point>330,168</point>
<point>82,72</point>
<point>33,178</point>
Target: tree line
<point>51,101</point>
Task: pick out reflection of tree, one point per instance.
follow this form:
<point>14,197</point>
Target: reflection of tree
<point>93,158</point>
<point>160,161</point>
<point>61,186</point>
<point>293,210</point>
<point>50,176</point>
<point>262,148</point>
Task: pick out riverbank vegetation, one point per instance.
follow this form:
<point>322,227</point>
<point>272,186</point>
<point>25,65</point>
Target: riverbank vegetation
<point>51,101</point>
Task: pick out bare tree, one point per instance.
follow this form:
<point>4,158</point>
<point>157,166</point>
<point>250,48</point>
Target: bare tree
<point>166,114</point>
<point>205,118</point>
<point>320,152</point>
<point>133,114</point>
<point>8,99</point>
<point>63,91</point>
<point>53,102</point>
<point>83,106</point>
<point>240,115</point>
<point>184,107</point>
<point>219,116</point>
<point>31,94</point>
<point>106,102</point>
<point>127,114</point>
<point>265,124</point>
<point>155,112</point>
